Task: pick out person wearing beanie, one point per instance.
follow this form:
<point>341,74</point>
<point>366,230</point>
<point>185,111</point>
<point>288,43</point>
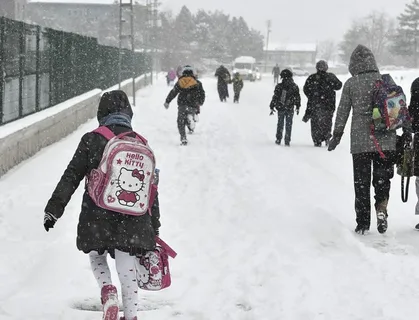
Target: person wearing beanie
<point>285,100</point>
<point>102,231</point>
<point>320,89</point>
<point>357,96</point>
<point>191,96</point>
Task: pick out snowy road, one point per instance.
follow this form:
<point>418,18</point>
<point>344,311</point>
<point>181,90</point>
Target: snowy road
<point>262,232</point>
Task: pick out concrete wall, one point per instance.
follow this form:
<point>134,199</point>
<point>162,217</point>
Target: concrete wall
<point>29,138</point>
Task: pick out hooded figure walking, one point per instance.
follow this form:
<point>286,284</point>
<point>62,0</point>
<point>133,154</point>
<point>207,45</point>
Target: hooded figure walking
<point>320,89</point>
<point>357,97</point>
<point>286,97</point>
<point>224,78</point>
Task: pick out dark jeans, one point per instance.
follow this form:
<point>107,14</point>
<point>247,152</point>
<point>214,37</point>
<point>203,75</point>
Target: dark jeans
<point>284,117</point>
<point>236,96</point>
<point>182,119</point>
<point>382,173</point>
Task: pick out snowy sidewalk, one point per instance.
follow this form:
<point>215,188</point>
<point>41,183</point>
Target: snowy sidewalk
<point>262,232</point>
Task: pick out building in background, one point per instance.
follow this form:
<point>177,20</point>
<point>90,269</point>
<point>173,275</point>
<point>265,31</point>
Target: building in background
<point>13,9</point>
<point>86,17</point>
<point>287,55</point>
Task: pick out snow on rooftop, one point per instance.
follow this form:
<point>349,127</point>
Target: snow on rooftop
<point>245,59</point>
<point>296,47</point>
<point>77,1</point>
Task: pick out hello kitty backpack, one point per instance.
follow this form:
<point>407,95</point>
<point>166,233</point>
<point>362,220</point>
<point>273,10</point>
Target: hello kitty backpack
<point>152,268</point>
<point>123,182</point>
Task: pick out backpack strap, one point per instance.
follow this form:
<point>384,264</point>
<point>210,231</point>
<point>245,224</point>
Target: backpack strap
<point>377,145</point>
<point>171,253</point>
<point>105,132</point>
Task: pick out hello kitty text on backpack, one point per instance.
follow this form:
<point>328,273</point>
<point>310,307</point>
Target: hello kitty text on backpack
<point>389,111</point>
<point>124,180</point>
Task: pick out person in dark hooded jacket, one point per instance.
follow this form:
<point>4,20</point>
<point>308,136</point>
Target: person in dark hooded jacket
<point>357,96</point>
<point>320,89</point>
<point>414,114</point>
<point>286,97</point>
<point>224,78</point>
<point>191,96</point>
<point>102,231</point>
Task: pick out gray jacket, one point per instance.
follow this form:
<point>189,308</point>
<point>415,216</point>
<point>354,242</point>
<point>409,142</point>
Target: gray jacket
<point>357,96</point>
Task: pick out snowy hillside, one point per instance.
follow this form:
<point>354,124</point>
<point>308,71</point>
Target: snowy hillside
<point>261,231</point>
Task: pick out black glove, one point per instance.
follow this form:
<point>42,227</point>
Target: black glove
<point>272,112</point>
<point>49,221</point>
<point>333,143</point>
<point>157,232</point>
<point>297,111</point>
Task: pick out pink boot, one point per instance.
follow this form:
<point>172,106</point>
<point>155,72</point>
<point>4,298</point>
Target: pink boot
<point>110,302</point>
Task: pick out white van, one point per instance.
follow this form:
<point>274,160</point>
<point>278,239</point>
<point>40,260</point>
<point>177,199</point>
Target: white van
<point>246,67</point>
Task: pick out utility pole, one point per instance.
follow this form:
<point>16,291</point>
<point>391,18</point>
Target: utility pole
<point>269,25</point>
<point>125,33</point>
<point>155,30</point>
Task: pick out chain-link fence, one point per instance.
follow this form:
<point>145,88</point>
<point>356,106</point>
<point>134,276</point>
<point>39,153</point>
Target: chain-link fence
<point>40,68</point>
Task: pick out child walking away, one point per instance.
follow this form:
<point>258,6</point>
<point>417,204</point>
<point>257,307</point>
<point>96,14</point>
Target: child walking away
<point>237,86</point>
<point>414,113</point>
<point>286,98</point>
<point>119,196</point>
<point>171,77</point>
<point>372,150</point>
<point>191,98</point>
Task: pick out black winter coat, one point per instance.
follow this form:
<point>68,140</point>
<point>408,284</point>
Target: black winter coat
<point>223,75</point>
<point>414,114</point>
<point>190,90</point>
<point>286,96</point>
<point>320,89</point>
<point>99,229</point>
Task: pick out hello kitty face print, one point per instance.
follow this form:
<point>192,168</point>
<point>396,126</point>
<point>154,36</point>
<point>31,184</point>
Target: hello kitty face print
<point>130,182</point>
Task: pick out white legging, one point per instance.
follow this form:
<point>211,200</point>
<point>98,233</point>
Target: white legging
<point>125,266</point>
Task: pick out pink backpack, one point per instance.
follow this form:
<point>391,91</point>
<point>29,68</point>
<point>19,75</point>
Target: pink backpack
<point>123,182</point>
<point>152,268</point>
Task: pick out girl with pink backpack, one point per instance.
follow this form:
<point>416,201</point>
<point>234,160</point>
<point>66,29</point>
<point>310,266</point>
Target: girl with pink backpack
<point>101,230</point>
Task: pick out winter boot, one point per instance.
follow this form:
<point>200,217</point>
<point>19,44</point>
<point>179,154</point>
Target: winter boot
<point>123,318</point>
<point>183,141</point>
<point>110,302</point>
<point>362,230</point>
<point>382,215</point>
<point>278,142</point>
<point>287,143</point>
<point>417,227</point>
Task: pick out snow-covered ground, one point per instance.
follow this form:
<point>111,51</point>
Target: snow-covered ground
<point>261,231</point>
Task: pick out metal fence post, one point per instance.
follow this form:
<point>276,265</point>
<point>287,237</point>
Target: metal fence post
<point>2,66</point>
<point>22,38</point>
<point>37,71</point>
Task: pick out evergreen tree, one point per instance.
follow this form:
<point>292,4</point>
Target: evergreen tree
<point>406,39</point>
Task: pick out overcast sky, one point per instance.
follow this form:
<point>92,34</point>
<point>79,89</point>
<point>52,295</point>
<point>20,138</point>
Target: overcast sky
<point>296,20</point>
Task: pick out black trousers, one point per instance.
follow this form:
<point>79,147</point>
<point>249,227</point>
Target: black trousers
<point>182,119</point>
<point>382,173</point>
<point>321,125</point>
<point>236,95</point>
<point>284,117</point>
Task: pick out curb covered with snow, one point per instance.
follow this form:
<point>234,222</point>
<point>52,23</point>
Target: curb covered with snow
<point>23,138</point>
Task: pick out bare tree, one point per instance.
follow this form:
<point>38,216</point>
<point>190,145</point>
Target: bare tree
<point>374,31</point>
